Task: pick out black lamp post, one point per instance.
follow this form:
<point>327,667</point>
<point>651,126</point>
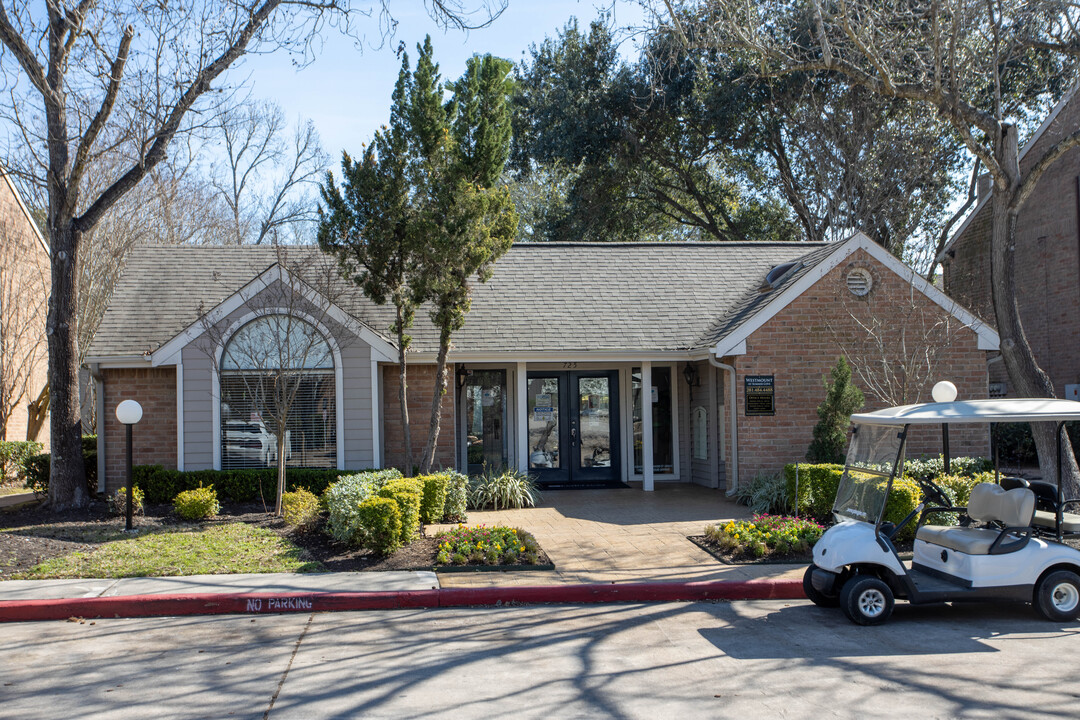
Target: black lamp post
<point>129,412</point>
<point>944,392</point>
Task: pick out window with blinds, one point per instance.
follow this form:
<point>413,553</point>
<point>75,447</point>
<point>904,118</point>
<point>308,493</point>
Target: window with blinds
<point>256,394</point>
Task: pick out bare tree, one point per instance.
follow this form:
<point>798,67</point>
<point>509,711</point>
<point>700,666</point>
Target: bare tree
<point>280,364</point>
<point>24,289</point>
<point>978,65</point>
<point>266,179</point>
<point>89,78</point>
<point>896,341</point>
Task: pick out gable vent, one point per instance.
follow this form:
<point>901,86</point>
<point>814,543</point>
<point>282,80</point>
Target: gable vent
<point>860,282</point>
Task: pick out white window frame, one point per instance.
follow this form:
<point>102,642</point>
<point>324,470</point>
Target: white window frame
<point>628,422</point>
<point>339,410</point>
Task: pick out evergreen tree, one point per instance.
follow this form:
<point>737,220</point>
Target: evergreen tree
<point>367,225</point>
<point>424,212</point>
<point>842,398</point>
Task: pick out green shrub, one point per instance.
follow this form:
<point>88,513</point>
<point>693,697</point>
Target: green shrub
<point>904,497</point>
<point>766,493</point>
<point>766,535</point>
<point>161,485</point>
<point>118,502</point>
<point>457,497</point>
<point>928,468</point>
<point>378,526</point>
<point>1016,445</point>
<point>406,492</point>
<point>36,468</point>
<point>434,498</point>
<point>300,508</point>
<point>816,487</point>
<point>501,490</point>
<point>343,498</point>
<point>197,504</point>
<point>12,456</point>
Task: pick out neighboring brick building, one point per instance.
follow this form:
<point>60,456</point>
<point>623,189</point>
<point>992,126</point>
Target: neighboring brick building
<point>1047,256</point>
<point>24,292</point>
<point>569,353</point>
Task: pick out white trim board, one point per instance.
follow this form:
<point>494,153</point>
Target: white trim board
<point>735,342</point>
<point>168,353</point>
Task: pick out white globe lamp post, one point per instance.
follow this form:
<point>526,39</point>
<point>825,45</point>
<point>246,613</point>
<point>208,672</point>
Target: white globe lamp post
<point>944,392</point>
<point>129,412</point>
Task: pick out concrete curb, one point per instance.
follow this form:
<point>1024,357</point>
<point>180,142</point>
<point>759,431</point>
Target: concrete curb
<point>132,606</point>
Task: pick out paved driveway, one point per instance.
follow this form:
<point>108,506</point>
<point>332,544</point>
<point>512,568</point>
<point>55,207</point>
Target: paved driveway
<point>620,535</point>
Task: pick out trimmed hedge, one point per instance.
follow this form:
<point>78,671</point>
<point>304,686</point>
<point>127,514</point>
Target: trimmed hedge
<point>197,504</point>
<point>36,468</point>
<point>816,487</point>
<point>378,525</point>
<point>343,500</point>
<point>161,484</point>
<point>818,483</point>
<point>406,492</point>
<point>434,498</point>
<point>300,509</point>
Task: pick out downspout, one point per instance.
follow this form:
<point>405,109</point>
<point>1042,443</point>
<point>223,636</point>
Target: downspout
<point>99,410</point>
<point>733,387</point>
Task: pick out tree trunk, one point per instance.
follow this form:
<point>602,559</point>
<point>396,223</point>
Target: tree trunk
<point>280,469</point>
<point>67,478</point>
<point>407,435</point>
<point>436,404</point>
<point>1025,375</point>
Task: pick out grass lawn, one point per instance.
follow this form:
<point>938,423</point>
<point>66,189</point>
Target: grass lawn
<point>13,489</point>
<point>180,550</point>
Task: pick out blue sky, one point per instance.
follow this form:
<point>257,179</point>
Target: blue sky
<point>346,93</point>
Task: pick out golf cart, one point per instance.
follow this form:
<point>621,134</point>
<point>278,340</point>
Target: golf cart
<point>1005,549</point>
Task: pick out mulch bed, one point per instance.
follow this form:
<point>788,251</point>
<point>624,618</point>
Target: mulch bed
<point>20,551</point>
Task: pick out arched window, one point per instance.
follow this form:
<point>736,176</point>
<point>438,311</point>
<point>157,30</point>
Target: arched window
<point>277,371</point>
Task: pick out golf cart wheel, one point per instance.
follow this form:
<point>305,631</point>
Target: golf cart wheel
<point>1057,597</point>
<point>814,595</point>
<point>866,600</point>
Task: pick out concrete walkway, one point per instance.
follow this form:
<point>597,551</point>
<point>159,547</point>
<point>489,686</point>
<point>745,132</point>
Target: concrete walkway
<point>620,535</point>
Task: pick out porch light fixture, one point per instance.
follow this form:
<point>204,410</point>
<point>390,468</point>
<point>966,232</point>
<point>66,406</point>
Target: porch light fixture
<point>462,376</point>
<point>129,412</point>
<point>690,375</point>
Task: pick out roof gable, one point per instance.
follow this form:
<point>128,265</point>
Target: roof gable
<point>732,341</point>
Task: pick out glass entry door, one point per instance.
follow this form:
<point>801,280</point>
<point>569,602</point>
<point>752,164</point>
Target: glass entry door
<point>573,423</point>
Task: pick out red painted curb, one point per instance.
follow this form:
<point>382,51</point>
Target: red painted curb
<point>130,606</point>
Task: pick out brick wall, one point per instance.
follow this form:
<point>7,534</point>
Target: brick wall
<point>421,385</point>
<point>24,290</point>
<point>154,437</point>
<point>1047,261</point>
<point>801,344</point>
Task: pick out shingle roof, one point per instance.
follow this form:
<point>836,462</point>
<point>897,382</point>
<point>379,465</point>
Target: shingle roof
<point>542,297</point>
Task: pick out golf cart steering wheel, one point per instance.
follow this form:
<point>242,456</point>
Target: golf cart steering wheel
<point>934,494</point>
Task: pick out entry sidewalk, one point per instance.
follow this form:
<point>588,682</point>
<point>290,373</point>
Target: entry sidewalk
<point>621,535</point>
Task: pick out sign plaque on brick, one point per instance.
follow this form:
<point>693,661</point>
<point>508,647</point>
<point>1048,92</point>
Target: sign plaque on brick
<point>760,395</point>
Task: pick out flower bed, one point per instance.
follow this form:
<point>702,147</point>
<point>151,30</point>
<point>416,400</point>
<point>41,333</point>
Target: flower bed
<point>491,546</point>
<point>765,537</point>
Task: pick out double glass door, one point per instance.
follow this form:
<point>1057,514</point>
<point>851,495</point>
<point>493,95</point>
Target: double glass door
<point>573,422</point>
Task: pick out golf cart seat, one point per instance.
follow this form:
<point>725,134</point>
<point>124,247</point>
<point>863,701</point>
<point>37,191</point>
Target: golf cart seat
<point>1045,505</point>
<point>989,503</point>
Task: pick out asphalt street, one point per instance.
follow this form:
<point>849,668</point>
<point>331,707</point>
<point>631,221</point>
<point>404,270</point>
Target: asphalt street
<point>672,660</point>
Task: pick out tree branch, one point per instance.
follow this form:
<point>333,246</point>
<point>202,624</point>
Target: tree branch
<point>1049,158</point>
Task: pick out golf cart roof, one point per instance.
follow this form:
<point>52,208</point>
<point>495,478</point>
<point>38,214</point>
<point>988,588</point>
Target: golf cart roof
<point>974,411</point>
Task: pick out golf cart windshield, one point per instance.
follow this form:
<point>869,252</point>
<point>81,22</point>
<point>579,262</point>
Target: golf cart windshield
<point>873,455</point>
